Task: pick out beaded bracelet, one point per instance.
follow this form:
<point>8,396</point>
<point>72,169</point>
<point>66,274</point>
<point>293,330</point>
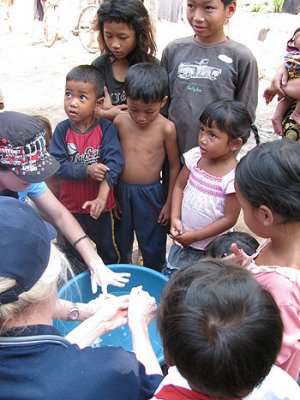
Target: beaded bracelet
<point>79,240</point>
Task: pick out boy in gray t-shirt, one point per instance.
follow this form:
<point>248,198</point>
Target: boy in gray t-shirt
<point>206,67</point>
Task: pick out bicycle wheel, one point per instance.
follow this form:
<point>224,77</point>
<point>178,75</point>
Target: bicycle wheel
<point>88,37</point>
<point>50,25</point>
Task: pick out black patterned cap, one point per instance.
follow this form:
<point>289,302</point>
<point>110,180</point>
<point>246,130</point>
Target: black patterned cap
<point>23,147</point>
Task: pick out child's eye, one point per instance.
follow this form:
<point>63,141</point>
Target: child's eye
<point>67,94</point>
<point>83,97</point>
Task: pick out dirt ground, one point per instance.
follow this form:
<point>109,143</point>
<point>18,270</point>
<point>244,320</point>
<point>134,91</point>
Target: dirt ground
<point>32,76</point>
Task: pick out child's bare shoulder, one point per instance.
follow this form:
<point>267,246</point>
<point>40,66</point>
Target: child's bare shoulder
<point>121,119</point>
<point>168,127</point>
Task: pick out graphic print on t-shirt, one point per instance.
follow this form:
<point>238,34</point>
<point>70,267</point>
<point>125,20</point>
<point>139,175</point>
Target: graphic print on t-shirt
<point>198,70</point>
<point>89,156</point>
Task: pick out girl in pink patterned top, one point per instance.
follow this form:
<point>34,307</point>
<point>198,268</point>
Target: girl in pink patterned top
<point>204,204</point>
<point>268,189</point>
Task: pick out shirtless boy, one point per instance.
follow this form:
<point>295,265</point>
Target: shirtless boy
<point>146,138</point>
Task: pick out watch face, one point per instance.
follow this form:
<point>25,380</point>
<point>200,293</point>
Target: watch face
<point>73,314</point>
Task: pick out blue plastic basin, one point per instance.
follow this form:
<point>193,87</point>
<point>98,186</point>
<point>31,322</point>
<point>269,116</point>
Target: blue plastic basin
<point>78,289</point>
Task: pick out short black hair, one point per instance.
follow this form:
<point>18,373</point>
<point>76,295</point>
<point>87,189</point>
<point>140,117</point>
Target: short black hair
<point>231,117</point>
<point>269,175</point>
<point>220,328</point>
<point>87,74</point>
<point>147,82</point>
<point>221,245</point>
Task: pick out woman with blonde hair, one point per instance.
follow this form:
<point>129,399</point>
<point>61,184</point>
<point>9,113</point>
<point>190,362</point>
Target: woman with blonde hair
<point>36,362</point>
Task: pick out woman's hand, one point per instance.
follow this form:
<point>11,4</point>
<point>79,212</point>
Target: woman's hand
<point>111,315</point>
<point>103,276</point>
<point>279,80</point>
<point>113,312</point>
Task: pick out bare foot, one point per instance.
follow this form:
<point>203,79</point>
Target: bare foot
<point>277,125</point>
<point>281,109</point>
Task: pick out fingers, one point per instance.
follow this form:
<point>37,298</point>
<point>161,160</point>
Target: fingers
<point>86,204</point>
<point>122,107</point>
<point>235,250</point>
<point>122,278</point>
<point>94,285</point>
<point>95,208</point>
<point>136,290</point>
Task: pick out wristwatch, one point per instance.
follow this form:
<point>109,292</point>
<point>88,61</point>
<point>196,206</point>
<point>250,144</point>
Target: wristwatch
<point>73,314</point>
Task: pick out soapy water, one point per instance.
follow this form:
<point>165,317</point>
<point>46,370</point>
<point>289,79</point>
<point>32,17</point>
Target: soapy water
<point>78,290</point>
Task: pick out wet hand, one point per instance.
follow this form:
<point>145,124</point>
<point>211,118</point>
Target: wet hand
<point>102,276</point>
<point>142,308</point>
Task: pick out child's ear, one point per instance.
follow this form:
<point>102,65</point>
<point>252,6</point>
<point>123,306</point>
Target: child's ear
<point>99,104</point>
<point>164,100</point>
<point>230,9</point>
<point>266,216</point>
<point>236,144</point>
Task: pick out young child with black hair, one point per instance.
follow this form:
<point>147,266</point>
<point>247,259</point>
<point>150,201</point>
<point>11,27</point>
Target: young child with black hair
<point>221,246</point>
<point>127,39</point>
<point>147,138</point>
<point>221,333</point>
<point>91,159</point>
<point>204,204</point>
<point>268,189</point>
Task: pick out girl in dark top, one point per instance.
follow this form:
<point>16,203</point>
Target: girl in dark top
<point>127,37</point>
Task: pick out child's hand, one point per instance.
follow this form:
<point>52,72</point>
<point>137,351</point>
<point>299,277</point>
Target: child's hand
<point>176,228</point>
<point>142,308</point>
<point>97,171</point>
<point>164,215</point>
<point>107,104</point>
<point>238,256</point>
<point>112,112</point>
<point>96,207</point>
<point>269,94</point>
<point>185,239</point>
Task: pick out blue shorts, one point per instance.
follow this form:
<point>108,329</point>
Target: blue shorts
<point>141,206</point>
<point>180,257</point>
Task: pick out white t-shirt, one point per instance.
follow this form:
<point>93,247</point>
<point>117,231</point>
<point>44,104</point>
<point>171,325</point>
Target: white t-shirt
<point>203,197</point>
<point>278,385</point>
